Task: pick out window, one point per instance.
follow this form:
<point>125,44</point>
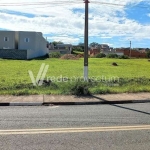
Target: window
<point>26,40</point>
<point>6,39</point>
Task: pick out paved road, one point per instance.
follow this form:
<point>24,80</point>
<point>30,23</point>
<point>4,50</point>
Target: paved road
<point>115,127</point>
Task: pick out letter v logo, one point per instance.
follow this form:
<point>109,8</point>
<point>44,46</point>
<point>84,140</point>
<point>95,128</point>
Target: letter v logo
<point>40,76</point>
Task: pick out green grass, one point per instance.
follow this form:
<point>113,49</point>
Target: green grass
<point>78,52</point>
<point>131,75</point>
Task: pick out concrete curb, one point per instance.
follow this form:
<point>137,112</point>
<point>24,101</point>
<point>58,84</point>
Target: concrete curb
<point>25,104</point>
<point>96,103</point>
<point>72,103</point>
<point>21,104</point>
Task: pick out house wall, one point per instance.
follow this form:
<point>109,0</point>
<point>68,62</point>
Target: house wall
<point>26,45</point>
<point>118,53</point>
<point>16,39</point>
<point>36,46</point>
<point>94,52</point>
<point>61,48</point>
<point>10,44</point>
<point>41,44</point>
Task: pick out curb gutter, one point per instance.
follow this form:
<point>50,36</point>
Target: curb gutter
<point>71,103</point>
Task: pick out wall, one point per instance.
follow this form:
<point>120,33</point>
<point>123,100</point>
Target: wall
<point>94,52</point>
<point>134,53</point>
<point>7,44</point>
<point>40,46</point>
<point>61,51</point>
<point>13,54</point>
<point>118,53</point>
<point>26,45</point>
<point>16,39</point>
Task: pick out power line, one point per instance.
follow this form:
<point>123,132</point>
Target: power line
<point>38,3</point>
<point>67,2</point>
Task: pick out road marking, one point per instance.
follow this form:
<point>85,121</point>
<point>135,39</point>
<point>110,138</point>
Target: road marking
<point>74,130</point>
<point>53,107</point>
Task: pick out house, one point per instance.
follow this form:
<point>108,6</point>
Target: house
<point>104,48</point>
<point>93,51</point>
<point>22,45</point>
<point>61,48</point>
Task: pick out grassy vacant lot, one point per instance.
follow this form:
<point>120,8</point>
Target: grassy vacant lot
<point>131,75</point>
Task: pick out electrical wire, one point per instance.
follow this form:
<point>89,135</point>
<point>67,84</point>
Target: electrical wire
<point>67,2</point>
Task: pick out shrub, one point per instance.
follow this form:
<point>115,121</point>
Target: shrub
<point>112,56</point>
<point>78,49</point>
<point>100,55</point>
<point>114,64</point>
<point>80,89</point>
<point>123,57</point>
<point>148,54</point>
<point>55,55</point>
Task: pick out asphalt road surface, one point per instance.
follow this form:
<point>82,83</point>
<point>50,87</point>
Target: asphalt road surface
<point>95,127</point>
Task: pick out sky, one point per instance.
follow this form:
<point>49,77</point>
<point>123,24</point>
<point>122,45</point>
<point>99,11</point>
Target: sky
<point>112,22</point>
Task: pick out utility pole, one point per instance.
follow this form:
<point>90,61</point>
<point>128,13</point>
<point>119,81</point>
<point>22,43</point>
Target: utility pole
<point>130,48</point>
<point>86,41</point>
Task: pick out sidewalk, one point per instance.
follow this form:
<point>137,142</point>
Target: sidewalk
<point>38,100</point>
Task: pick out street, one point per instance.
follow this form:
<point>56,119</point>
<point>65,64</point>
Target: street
<point>104,127</point>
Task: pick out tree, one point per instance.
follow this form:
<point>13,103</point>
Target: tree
<point>100,55</point>
<point>94,44</point>
<point>81,45</point>
<point>55,55</point>
<point>77,49</point>
<point>148,54</point>
<point>112,56</point>
<point>55,43</point>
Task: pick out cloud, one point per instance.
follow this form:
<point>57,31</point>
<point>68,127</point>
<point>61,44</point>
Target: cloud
<point>64,39</point>
<point>56,19</point>
<point>148,15</point>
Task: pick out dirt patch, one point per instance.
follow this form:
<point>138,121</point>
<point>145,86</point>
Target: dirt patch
<point>80,55</point>
<point>69,56</point>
